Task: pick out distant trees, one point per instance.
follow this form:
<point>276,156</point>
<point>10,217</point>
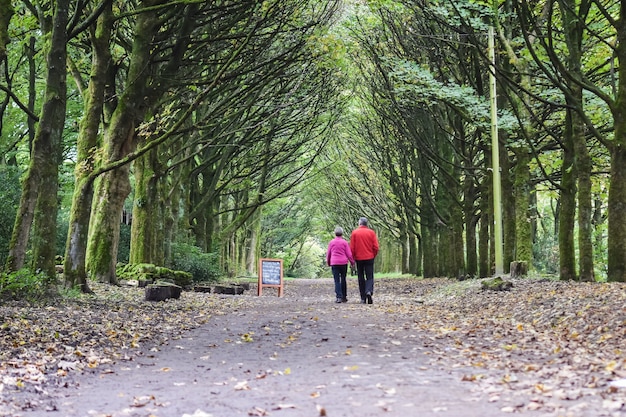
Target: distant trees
<point>424,71</point>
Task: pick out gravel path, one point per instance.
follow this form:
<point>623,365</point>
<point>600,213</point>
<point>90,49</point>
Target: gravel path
<point>298,355</point>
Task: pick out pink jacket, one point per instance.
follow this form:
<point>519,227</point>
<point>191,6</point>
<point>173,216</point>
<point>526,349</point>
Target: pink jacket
<point>339,252</point>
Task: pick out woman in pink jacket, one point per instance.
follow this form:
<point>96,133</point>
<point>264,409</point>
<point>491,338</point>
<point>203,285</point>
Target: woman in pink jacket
<point>337,257</point>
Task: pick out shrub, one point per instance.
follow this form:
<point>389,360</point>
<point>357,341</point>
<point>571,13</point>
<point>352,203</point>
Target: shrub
<point>10,191</point>
<point>23,285</point>
<point>204,267</point>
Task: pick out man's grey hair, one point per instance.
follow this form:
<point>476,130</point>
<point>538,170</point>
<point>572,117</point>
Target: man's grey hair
<point>363,221</point>
<point>338,231</point>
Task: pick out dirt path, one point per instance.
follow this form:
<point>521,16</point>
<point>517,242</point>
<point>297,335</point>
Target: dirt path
<point>299,355</point>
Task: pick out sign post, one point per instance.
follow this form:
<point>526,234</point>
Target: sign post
<point>271,275</point>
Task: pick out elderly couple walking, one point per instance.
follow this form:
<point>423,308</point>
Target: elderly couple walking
<point>361,250</point>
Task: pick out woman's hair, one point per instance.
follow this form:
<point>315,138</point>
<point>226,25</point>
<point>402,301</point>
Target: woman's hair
<point>338,231</point>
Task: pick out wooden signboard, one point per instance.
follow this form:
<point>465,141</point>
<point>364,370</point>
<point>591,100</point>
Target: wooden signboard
<point>271,274</point>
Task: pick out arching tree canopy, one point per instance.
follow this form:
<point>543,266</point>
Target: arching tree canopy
<point>250,129</point>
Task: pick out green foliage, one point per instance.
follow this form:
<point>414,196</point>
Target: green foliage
<point>23,285</point>
<point>546,249</point>
<point>10,191</point>
<point>73,293</point>
<point>123,250</point>
<point>202,266</point>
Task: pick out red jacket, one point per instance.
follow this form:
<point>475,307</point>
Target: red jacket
<point>364,243</point>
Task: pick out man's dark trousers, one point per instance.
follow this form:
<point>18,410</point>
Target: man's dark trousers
<point>365,270</point>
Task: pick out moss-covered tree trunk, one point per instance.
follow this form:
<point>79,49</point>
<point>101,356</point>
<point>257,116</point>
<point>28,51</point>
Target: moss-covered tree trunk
<point>574,28</point>
<point>414,255</point>
<point>146,211</point>
<point>75,272</point>
<point>585,231</point>
<point>254,248</point>
<point>111,192</point>
<point>523,226</point>
<point>567,209</point>
<point>6,12</point>
<point>120,140</point>
<point>429,241</point>
<point>404,249</point>
<point>39,198</point>
<point>484,259</point>
<point>470,225</point>
<point>509,206</point>
<point>617,193</point>
<point>49,137</point>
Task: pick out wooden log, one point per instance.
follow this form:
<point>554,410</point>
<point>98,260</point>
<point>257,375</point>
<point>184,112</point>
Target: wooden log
<point>161,292</point>
<point>244,285</point>
<point>202,288</point>
<point>229,289</point>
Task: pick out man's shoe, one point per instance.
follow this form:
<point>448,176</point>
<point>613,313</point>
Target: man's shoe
<point>363,301</point>
<point>368,297</point>
<point>344,300</point>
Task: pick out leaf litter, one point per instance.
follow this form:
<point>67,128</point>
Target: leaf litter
<point>546,346</point>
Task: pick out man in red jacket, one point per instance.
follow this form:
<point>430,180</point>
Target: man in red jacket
<point>364,246</point>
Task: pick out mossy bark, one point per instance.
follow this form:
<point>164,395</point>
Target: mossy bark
<point>146,211</point>
<point>111,191</point>
<point>573,29</point>
<point>617,193</point>
<point>414,254</point>
<point>430,243</point>
<point>470,226</point>
<point>523,229</point>
<point>49,138</point>
<point>74,270</point>
<point>484,263</point>
<point>6,12</point>
<point>39,198</point>
<point>509,205</point>
<point>120,140</point>
<point>567,210</point>
<point>404,249</point>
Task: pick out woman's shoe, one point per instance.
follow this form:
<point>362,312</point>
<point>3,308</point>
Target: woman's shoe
<point>339,300</point>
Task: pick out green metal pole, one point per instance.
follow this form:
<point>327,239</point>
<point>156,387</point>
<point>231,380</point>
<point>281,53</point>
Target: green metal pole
<point>495,160</point>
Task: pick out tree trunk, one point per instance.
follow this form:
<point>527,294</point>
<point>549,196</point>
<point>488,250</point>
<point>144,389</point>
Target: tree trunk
<point>146,217</point>
<point>255,243</point>
<point>6,11</point>
<point>74,270</point>
<point>120,140</point>
<point>104,230</point>
<point>585,232</point>
<point>617,193</point>
<point>573,29</point>
<point>470,226</point>
<point>523,231</point>
<point>567,212</point>
<point>429,241</point>
<point>39,198</point>
<point>484,234</point>
<point>404,245</point>
<point>509,206</point>
<point>414,255</point>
